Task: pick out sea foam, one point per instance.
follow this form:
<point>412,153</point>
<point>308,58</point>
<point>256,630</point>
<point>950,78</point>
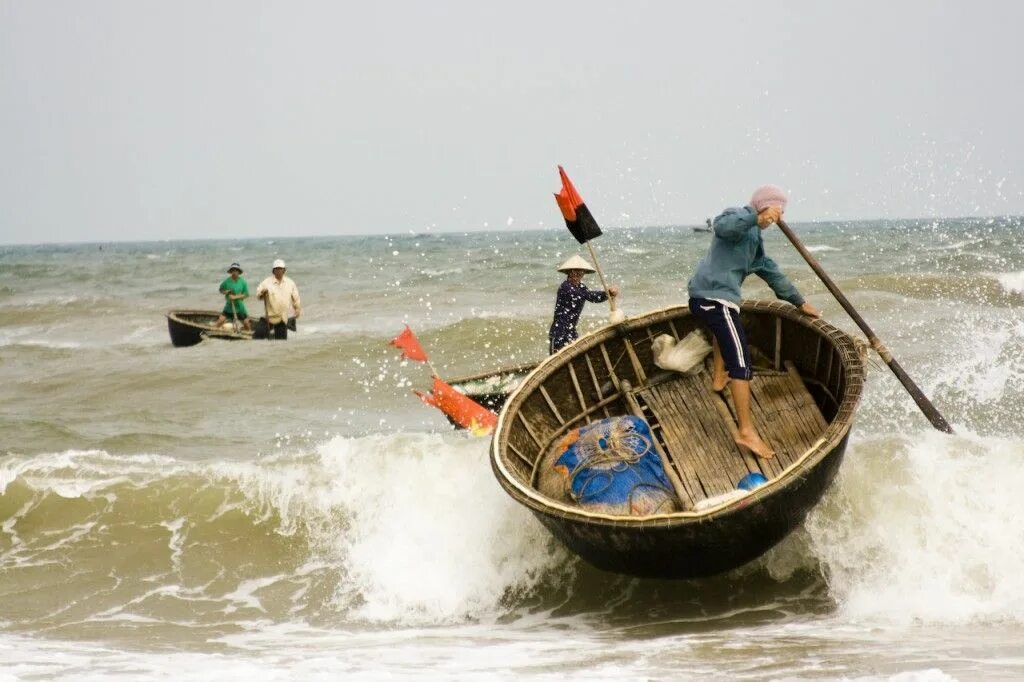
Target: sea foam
<point>413,525</point>
<point>925,528</point>
<point>1013,282</point>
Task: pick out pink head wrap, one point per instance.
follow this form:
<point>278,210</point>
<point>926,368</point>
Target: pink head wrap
<point>768,195</point>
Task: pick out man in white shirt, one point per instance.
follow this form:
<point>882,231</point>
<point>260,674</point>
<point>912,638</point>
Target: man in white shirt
<point>279,294</point>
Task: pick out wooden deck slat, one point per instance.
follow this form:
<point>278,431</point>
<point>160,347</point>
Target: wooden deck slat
<point>736,460</point>
<point>700,432</point>
<point>800,407</point>
<point>681,441</point>
<point>551,404</point>
<point>611,368</point>
<point>785,407</point>
<point>696,433</point>
<point>712,461</point>
<point>576,385</point>
<point>526,460</point>
<point>634,360</point>
<point>529,429</point>
<point>685,499</point>
<point>733,463</point>
<point>597,384</point>
<point>726,408</point>
<point>818,419</point>
<point>771,419</point>
<point>778,343</point>
<point>685,443</point>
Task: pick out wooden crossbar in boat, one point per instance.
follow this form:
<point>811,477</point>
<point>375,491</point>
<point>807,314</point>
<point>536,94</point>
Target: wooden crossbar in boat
<point>698,435</point>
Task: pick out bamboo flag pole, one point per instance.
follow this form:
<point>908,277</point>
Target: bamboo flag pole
<point>929,410</point>
<point>600,273</point>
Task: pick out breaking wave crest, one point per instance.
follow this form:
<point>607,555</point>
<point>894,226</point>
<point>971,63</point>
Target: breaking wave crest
<point>397,528</point>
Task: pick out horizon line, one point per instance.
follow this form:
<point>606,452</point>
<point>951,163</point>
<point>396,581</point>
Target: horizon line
<point>429,232</point>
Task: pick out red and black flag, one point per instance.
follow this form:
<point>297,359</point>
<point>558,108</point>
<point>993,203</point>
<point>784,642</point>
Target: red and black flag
<point>577,216</point>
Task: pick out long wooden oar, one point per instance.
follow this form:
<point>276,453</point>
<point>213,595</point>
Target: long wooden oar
<point>937,420</point>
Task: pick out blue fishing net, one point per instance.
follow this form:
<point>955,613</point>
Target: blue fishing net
<point>611,466</point>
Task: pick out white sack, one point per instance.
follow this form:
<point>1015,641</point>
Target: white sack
<point>686,356</point>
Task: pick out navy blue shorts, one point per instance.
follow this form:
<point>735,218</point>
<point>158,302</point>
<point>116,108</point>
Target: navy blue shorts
<point>732,340</point>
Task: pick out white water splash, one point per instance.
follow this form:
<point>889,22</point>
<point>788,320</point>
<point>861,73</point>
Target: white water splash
<point>1012,282</point>
<point>926,528</point>
<point>432,538</point>
<point>414,523</point>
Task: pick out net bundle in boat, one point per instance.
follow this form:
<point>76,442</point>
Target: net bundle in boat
<point>612,467</point>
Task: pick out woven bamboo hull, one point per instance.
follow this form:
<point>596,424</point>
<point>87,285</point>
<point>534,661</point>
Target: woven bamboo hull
<point>189,327</point>
<point>707,536</point>
<point>697,550</point>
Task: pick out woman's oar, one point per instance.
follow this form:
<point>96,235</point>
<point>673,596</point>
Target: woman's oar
<point>937,420</point>
<point>616,315</point>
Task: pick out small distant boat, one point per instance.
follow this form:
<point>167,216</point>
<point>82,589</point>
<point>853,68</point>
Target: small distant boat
<point>805,391</point>
<point>189,327</point>
<point>493,387</point>
<point>706,227</point>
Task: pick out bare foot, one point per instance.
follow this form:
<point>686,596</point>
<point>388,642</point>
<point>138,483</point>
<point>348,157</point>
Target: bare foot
<point>719,382</point>
<point>755,444</point>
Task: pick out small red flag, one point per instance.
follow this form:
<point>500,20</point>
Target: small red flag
<point>410,347</point>
<point>463,410</point>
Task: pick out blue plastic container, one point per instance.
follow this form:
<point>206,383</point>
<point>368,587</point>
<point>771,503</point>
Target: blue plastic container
<point>751,481</point>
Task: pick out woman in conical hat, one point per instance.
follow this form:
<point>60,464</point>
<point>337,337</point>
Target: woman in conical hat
<point>572,294</point>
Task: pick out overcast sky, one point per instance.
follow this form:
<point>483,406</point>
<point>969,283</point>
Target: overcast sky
<point>180,119</point>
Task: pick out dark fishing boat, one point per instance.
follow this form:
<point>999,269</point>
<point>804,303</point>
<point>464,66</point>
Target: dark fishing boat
<point>492,388</point>
<point>189,327</point>
<point>803,396</point>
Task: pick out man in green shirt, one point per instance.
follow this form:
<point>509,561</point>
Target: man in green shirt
<point>235,290</point>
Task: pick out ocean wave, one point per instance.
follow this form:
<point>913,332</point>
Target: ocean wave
<point>923,528</point>
<point>955,246</point>
<point>26,338</point>
<point>947,289</point>
<point>55,300</point>
<point>1012,282</point>
<point>375,529</point>
<point>816,248</point>
<point>411,529</point>
<point>440,272</point>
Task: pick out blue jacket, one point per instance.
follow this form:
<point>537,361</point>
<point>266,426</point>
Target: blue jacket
<point>737,250</point>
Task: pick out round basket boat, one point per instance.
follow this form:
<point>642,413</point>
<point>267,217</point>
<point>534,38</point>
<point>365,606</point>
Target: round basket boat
<point>189,327</point>
<point>808,382</point>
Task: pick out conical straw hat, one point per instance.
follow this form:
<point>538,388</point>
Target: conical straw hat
<point>576,263</point>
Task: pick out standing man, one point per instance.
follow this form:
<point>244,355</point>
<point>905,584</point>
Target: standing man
<point>279,294</point>
<point>572,294</point>
<point>235,290</point>
<point>736,251</point>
